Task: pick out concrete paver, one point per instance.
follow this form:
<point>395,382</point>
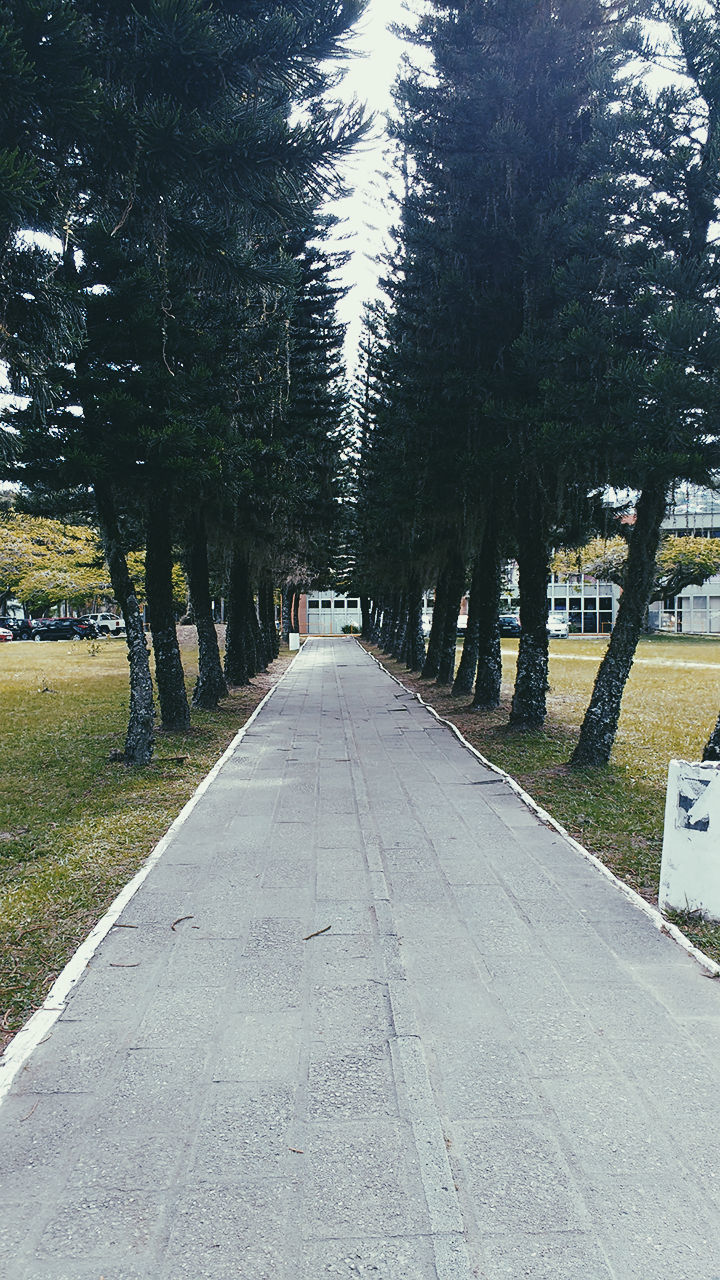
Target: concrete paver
<point>491,1065</point>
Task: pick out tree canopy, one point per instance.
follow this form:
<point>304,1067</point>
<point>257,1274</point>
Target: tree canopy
<point>680,562</point>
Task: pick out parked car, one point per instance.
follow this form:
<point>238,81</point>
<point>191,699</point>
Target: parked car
<point>63,629</point>
<point>5,635</point>
<point>558,626</point>
<point>19,628</point>
<point>509,624</point>
<point>106,624</point>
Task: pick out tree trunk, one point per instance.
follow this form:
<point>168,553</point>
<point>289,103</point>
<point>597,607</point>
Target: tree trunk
<point>489,667</point>
<point>414,651</point>
<point>529,705</point>
<point>266,609</point>
<point>140,736</point>
<point>401,625</point>
<point>169,674</point>
<point>432,657</point>
<point>210,685</point>
<point>465,674</point>
<point>238,659</point>
<point>598,729</point>
<point>286,613</point>
<point>376,629</point>
<point>273,603</point>
<point>448,644</point>
<point>712,746</point>
<point>387,629</point>
<point>260,658</point>
<point>366,617</point>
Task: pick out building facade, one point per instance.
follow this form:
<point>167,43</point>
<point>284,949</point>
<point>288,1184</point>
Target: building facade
<point>326,613</point>
<point>696,611</point>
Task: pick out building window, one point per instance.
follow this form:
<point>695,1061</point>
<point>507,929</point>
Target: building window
<point>313,604</point>
<point>353,604</point>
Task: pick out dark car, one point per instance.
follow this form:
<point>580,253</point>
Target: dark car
<point>509,624</point>
<point>63,629</point>
<point>20,627</point>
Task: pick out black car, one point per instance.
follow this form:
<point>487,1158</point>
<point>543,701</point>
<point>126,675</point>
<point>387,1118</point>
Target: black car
<point>63,629</point>
<point>509,624</point>
<point>20,627</point>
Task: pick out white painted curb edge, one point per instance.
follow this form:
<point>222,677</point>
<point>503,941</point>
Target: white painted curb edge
<point>40,1022</point>
<point>657,918</point>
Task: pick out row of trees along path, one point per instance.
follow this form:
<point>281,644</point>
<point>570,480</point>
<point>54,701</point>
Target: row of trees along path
<point>550,331</point>
<point>174,339</point>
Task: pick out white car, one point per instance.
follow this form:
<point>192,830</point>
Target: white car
<point>558,626</point>
<point>5,634</point>
<point>106,624</point>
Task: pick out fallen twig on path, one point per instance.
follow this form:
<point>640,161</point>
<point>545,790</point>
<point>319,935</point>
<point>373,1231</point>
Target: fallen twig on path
<point>180,920</point>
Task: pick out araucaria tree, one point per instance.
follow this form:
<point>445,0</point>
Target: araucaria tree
<point>507,151</point>
<point>553,323</point>
<point>664,329</point>
<point>210,137</point>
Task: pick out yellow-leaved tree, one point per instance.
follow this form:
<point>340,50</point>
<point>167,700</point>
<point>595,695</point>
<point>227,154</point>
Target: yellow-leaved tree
<point>45,563</point>
<point>679,563</point>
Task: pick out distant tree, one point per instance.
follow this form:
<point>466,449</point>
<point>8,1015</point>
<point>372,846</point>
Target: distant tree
<point>679,563</point>
<point>45,562</point>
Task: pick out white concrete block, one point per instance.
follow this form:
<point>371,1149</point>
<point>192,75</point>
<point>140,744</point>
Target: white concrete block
<point>690,868</point>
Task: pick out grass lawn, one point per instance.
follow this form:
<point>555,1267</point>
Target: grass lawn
<point>670,706</point>
<point>75,827</point>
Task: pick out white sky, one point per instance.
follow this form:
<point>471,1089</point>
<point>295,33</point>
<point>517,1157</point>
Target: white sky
<point>369,211</point>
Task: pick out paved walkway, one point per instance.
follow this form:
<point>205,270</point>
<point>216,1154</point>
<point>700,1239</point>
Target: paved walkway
<point>490,1065</point>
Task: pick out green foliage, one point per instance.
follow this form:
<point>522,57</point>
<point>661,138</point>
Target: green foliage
<point>505,153</point>
<point>680,562</point>
<point>44,562</point>
<point>46,103</point>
